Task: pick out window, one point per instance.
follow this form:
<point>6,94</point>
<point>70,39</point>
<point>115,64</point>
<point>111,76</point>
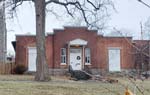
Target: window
<point>87,56</point>
<point>63,55</point>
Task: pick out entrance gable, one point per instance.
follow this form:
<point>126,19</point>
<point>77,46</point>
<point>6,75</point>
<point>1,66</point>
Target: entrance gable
<point>78,42</point>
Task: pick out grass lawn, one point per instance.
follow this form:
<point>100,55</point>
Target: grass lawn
<point>24,85</point>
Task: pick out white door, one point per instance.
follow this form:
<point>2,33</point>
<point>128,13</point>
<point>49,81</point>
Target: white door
<point>114,59</point>
<point>76,59</point>
<point>32,59</point>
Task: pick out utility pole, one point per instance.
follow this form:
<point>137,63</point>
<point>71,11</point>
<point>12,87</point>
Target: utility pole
<point>141,30</point>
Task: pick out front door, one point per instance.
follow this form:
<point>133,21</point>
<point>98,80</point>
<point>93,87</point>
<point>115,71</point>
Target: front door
<point>76,59</point>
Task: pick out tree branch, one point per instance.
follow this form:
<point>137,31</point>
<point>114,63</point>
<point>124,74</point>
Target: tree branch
<point>51,11</point>
<point>96,8</point>
<point>69,11</point>
<point>16,3</point>
<point>76,4</point>
<point>134,46</point>
<point>88,13</point>
<point>144,3</point>
<point>61,3</point>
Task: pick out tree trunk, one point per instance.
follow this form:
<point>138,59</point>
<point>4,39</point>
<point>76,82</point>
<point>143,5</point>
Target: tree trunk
<point>42,73</point>
<point>2,33</point>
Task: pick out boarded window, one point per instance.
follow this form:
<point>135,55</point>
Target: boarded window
<point>114,59</point>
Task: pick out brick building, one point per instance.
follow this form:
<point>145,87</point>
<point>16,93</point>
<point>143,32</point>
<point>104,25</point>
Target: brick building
<point>79,47</point>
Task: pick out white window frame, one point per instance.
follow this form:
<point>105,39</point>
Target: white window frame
<point>88,56</point>
<point>64,60</point>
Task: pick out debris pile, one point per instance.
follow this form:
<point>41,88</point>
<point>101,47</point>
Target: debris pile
<point>84,75</point>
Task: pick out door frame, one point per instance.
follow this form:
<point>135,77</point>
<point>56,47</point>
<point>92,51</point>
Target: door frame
<point>82,57</point>
<point>114,48</point>
<point>28,58</point>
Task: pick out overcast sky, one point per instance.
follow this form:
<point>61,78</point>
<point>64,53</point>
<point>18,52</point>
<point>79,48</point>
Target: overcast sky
<point>128,17</point>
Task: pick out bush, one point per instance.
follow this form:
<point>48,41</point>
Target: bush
<point>20,69</point>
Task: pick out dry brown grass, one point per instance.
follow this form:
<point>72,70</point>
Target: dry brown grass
<point>24,85</point>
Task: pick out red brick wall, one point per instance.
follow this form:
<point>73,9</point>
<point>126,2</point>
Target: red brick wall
<point>125,51</point>
<point>61,39</point>
<point>22,44</point>
<point>49,50</point>
<point>98,45</point>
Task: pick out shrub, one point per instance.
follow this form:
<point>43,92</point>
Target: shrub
<point>20,69</point>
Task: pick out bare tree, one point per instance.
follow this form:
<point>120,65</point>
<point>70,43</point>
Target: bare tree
<point>140,52</point>
<point>145,52</point>
<point>91,10</point>
<point>141,60</point>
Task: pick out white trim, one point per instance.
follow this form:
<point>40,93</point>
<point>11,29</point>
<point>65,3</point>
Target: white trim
<point>78,42</point>
<point>68,54</point>
<point>87,63</point>
<point>31,47</point>
<point>83,58</point>
<point>63,64</point>
<point>31,64</point>
<point>88,51</point>
<point>114,64</point>
<point>114,48</point>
